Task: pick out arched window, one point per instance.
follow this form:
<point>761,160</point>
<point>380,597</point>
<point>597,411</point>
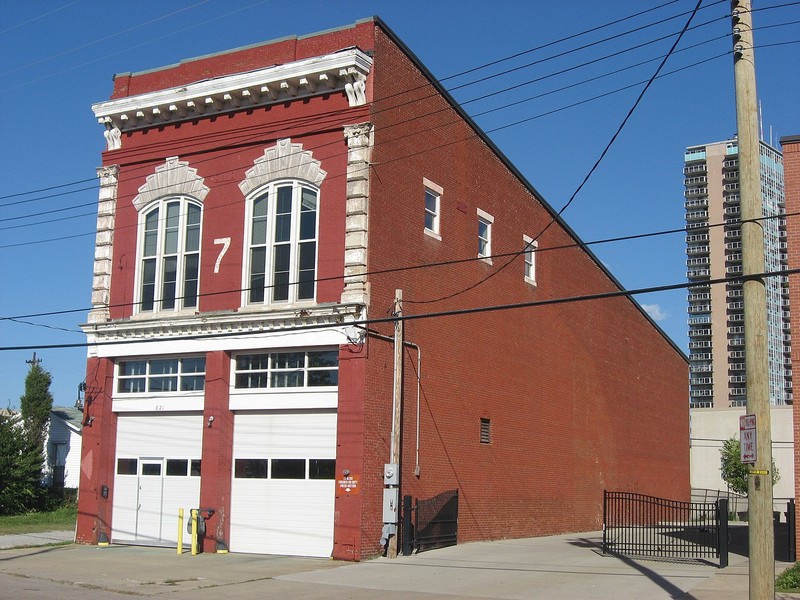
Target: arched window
<point>282,260</point>
<point>169,263</point>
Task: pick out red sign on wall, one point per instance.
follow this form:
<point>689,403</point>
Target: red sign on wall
<point>349,484</point>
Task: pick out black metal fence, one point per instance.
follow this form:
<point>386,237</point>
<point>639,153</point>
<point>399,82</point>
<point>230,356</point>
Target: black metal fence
<point>639,525</point>
<point>431,523</point>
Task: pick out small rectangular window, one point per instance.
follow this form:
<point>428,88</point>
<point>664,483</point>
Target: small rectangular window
<point>288,468</point>
<point>151,469</point>
<point>250,468</point>
<point>431,212</point>
<point>127,466</point>
<point>433,205</point>
<point>486,431</point>
<point>195,468</point>
<point>529,254</point>
<point>485,221</point>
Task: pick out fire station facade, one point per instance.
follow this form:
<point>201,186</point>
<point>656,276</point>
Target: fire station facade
<point>258,210</point>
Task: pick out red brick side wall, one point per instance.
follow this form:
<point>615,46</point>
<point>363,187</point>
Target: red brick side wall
<point>791,169</point>
<point>98,448</point>
<point>582,397</point>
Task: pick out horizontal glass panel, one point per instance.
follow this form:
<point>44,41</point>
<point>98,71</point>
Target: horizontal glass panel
<point>133,367</point>
<point>282,379</point>
<point>288,360</point>
<point>288,468</point>
<point>323,358</point>
<point>323,378</point>
<point>163,384</point>
<point>250,468</point>
<point>177,467</point>
<point>127,466</point>
<point>164,366</point>
<point>193,383</point>
<point>322,468</point>
<point>193,365</point>
<point>252,362</point>
<point>136,385</point>
<point>151,469</point>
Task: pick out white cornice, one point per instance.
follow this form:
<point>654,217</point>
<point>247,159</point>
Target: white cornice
<point>341,71</point>
<point>222,323</point>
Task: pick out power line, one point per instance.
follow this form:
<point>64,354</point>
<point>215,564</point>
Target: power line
<point>453,262</point>
<point>257,137</point>
<point>421,316</point>
<point>573,36</point>
<point>484,97</point>
<point>555,217</point>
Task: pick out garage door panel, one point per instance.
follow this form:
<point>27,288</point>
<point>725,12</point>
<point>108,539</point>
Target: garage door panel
<point>146,497</point>
<point>283,516</point>
<point>150,435</point>
<point>285,435</point>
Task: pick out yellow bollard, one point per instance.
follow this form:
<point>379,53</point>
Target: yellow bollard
<point>180,531</point>
<point>193,514</point>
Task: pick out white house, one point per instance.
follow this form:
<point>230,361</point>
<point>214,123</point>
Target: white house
<point>64,447</point>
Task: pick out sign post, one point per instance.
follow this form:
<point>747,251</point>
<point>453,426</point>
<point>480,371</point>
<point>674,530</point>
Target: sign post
<point>747,439</point>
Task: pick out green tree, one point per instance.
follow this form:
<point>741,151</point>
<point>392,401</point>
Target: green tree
<point>733,471</point>
<point>20,469</point>
<point>35,407</point>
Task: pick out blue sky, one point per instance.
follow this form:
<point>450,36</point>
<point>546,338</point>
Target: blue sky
<point>58,57</point>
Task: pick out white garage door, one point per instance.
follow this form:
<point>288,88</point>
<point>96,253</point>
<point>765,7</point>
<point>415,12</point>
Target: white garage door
<point>157,472</point>
<point>283,483</point>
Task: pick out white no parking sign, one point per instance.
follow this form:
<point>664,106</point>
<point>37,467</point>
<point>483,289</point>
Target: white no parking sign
<point>747,438</point>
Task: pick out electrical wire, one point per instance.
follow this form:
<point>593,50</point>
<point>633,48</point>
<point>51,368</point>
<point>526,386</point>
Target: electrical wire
<point>406,317</point>
<point>390,140</point>
<point>594,167</point>
<point>525,52</point>
<point>540,250</point>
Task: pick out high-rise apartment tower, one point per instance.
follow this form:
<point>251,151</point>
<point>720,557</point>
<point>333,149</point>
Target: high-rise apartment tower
<point>714,251</point>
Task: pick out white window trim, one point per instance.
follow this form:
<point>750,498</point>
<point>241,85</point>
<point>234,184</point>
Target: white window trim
<point>531,246</point>
<point>437,191</point>
<point>489,220</point>
<point>138,274</point>
<point>292,300</point>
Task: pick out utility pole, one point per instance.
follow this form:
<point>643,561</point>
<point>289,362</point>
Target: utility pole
<point>397,406</point>
<point>759,491</point>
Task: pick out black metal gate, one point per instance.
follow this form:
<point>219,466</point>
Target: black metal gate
<point>435,522</point>
<point>639,525</point>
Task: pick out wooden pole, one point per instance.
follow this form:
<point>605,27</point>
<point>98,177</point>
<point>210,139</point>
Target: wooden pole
<point>759,494</point>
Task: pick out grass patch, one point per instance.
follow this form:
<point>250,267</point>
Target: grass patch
<point>789,580</point>
<point>61,519</point>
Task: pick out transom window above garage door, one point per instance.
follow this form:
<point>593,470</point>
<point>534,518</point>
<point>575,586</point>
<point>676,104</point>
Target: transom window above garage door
<point>162,375</point>
<point>284,468</point>
<point>276,370</point>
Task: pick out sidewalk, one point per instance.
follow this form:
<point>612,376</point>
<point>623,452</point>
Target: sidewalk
<point>36,539</point>
<point>565,567</point>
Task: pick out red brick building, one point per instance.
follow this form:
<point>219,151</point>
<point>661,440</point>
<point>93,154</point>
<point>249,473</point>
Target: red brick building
<point>258,210</point>
<point>790,146</point>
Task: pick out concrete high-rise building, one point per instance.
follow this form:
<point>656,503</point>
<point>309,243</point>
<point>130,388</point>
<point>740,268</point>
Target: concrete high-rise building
<point>714,251</point>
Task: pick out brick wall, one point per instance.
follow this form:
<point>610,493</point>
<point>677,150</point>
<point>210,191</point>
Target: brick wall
<point>582,397</point>
<point>791,166</point>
